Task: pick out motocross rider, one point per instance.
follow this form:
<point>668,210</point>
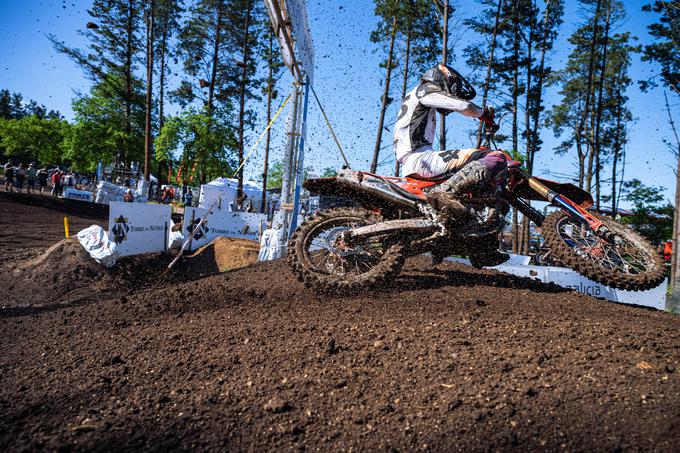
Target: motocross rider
<point>442,89</point>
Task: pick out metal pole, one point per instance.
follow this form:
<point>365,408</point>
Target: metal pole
<point>282,216</point>
<point>300,163</point>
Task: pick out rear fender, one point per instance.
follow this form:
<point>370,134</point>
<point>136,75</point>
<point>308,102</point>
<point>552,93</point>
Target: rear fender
<point>341,187</point>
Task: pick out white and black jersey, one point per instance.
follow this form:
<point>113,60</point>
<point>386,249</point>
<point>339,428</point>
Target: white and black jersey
<point>415,126</point>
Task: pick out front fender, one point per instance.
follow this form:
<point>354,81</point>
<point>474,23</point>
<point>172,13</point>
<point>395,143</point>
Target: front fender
<point>568,190</point>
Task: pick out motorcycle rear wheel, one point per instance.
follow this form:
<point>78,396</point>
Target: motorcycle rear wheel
<point>319,257</point>
<point>631,264</point>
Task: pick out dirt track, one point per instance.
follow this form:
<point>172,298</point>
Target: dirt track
<point>448,359</point>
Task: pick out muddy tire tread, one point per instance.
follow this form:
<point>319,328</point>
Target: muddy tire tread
<point>608,277</point>
<point>386,270</point>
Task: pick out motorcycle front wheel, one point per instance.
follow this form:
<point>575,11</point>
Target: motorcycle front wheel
<point>628,262</point>
<point>321,257</point>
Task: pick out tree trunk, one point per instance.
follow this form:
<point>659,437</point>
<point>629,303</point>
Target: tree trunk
<point>161,98</point>
<point>581,163</point>
<point>405,81</point>
<point>149,90</point>
<point>270,82</point>
<point>675,262</point>
<point>515,94</point>
<point>215,59</point>
<point>128,77</point>
<point>161,76</point>
<point>617,149</point>
<point>598,117</point>
<point>539,87</point>
<point>445,45</point>
<point>487,79</point>
<point>383,107</point>
<point>591,160</point>
<point>242,96</point>
<point>524,250</point>
<point>585,114</point>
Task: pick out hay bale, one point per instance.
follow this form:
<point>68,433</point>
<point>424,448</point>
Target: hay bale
<point>224,254</point>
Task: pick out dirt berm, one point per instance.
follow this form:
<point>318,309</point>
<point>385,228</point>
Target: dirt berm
<point>445,359</point>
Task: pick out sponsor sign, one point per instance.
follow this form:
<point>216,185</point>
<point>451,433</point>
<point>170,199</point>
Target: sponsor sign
<point>138,228</point>
<point>245,225</point>
<point>76,194</point>
<point>567,278</point>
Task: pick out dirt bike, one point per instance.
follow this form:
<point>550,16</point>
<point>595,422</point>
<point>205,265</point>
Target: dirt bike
<point>353,249</point>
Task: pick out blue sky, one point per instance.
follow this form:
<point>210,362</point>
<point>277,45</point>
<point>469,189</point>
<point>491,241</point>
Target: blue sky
<point>347,79</point>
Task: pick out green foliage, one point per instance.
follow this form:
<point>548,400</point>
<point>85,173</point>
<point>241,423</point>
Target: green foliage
<point>666,48</point>
<point>34,139</point>
<point>11,105</point>
<point>99,130</point>
<point>110,61</point>
<point>275,175</point>
<point>114,37</point>
<point>651,216</point>
<point>580,86</point>
<point>204,142</point>
<point>328,172</point>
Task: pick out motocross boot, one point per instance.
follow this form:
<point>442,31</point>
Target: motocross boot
<point>471,178</point>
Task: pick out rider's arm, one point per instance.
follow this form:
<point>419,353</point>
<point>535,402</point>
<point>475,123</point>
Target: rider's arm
<point>440,100</point>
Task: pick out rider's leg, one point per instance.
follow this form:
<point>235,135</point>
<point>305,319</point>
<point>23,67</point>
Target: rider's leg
<point>487,170</point>
<point>478,171</point>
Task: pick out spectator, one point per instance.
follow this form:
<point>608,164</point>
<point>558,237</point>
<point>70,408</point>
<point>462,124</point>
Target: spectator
<point>9,176</point>
<point>129,196</point>
<point>167,195</point>
<point>188,197</point>
<point>31,176</point>
<point>20,176</point>
<point>42,179</point>
<point>56,183</point>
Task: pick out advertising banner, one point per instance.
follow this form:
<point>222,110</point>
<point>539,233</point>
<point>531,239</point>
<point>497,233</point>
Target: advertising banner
<point>138,228</point>
<point>567,278</point>
<point>246,225</point>
<point>76,194</point>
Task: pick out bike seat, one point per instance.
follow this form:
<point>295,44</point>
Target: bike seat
<point>438,178</point>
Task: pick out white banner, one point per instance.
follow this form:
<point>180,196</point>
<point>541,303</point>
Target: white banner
<point>138,228</point>
<point>244,225</point>
<point>76,194</point>
<point>295,25</point>
<point>567,278</point>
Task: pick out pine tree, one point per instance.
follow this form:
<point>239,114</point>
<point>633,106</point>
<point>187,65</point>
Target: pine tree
<point>168,14</point>
<point>589,93</point>
<point>389,12</point>
<point>110,60</point>
<point>664,52</point>
<point>208,77</point>
<point>666,48</point>
<point>168,25</point>
<point>247,22</point>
